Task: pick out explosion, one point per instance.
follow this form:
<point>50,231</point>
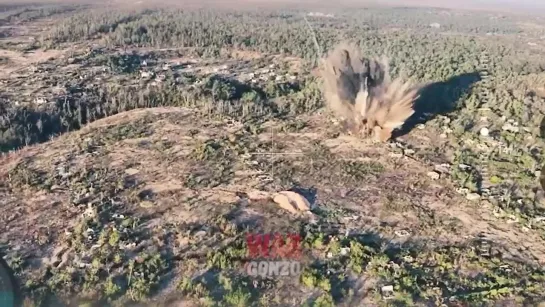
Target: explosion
<point>360,92</point>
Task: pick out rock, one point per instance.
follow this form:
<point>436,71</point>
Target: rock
<point>464,167</point>
<point>387,290</point>
<point>485,132</point>
<point>462,190</point>
<point>482,147</point>
<point>512,219</point>
<point>394,145</point>
<point>146,204</point>
<point>40,100</point>
<point>511,128</point>
<point>200,234</point>
<point>258,195</point>
<point>442,168</point>
<point>421,126</point>
<point>396,155</point>
<point>291,201</point>
<point>434,175</point>
<point>131,171</point>
<point>146,74</point>
<point>118,216</point>
<point>473,196</point>
<point>402,233</point>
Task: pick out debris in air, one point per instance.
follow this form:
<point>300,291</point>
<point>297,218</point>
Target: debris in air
<point>360,92</point>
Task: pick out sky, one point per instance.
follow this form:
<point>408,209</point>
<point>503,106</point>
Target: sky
<point>525,5</point>
<point>528,4</point>
<point>532,6</point>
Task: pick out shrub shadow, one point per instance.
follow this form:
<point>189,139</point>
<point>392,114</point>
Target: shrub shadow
<point>439,98</point>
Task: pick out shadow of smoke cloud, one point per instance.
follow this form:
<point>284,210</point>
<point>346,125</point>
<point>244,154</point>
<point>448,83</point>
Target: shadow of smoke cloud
<point>439,98</point>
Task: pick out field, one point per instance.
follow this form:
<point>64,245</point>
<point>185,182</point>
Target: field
<point>139,146</point>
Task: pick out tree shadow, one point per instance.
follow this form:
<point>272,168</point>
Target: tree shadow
<point>439,98</point>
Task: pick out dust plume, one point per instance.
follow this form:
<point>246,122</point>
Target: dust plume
<point>361,93</point>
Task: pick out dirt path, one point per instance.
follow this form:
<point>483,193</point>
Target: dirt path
<point>16,61</point>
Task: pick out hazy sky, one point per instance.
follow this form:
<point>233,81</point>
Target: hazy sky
<point>534,6</point>
<point>525,3</point>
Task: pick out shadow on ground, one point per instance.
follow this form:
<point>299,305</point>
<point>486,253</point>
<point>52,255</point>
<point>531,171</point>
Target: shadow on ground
<point>439,98</point>
<point>10,294</point>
